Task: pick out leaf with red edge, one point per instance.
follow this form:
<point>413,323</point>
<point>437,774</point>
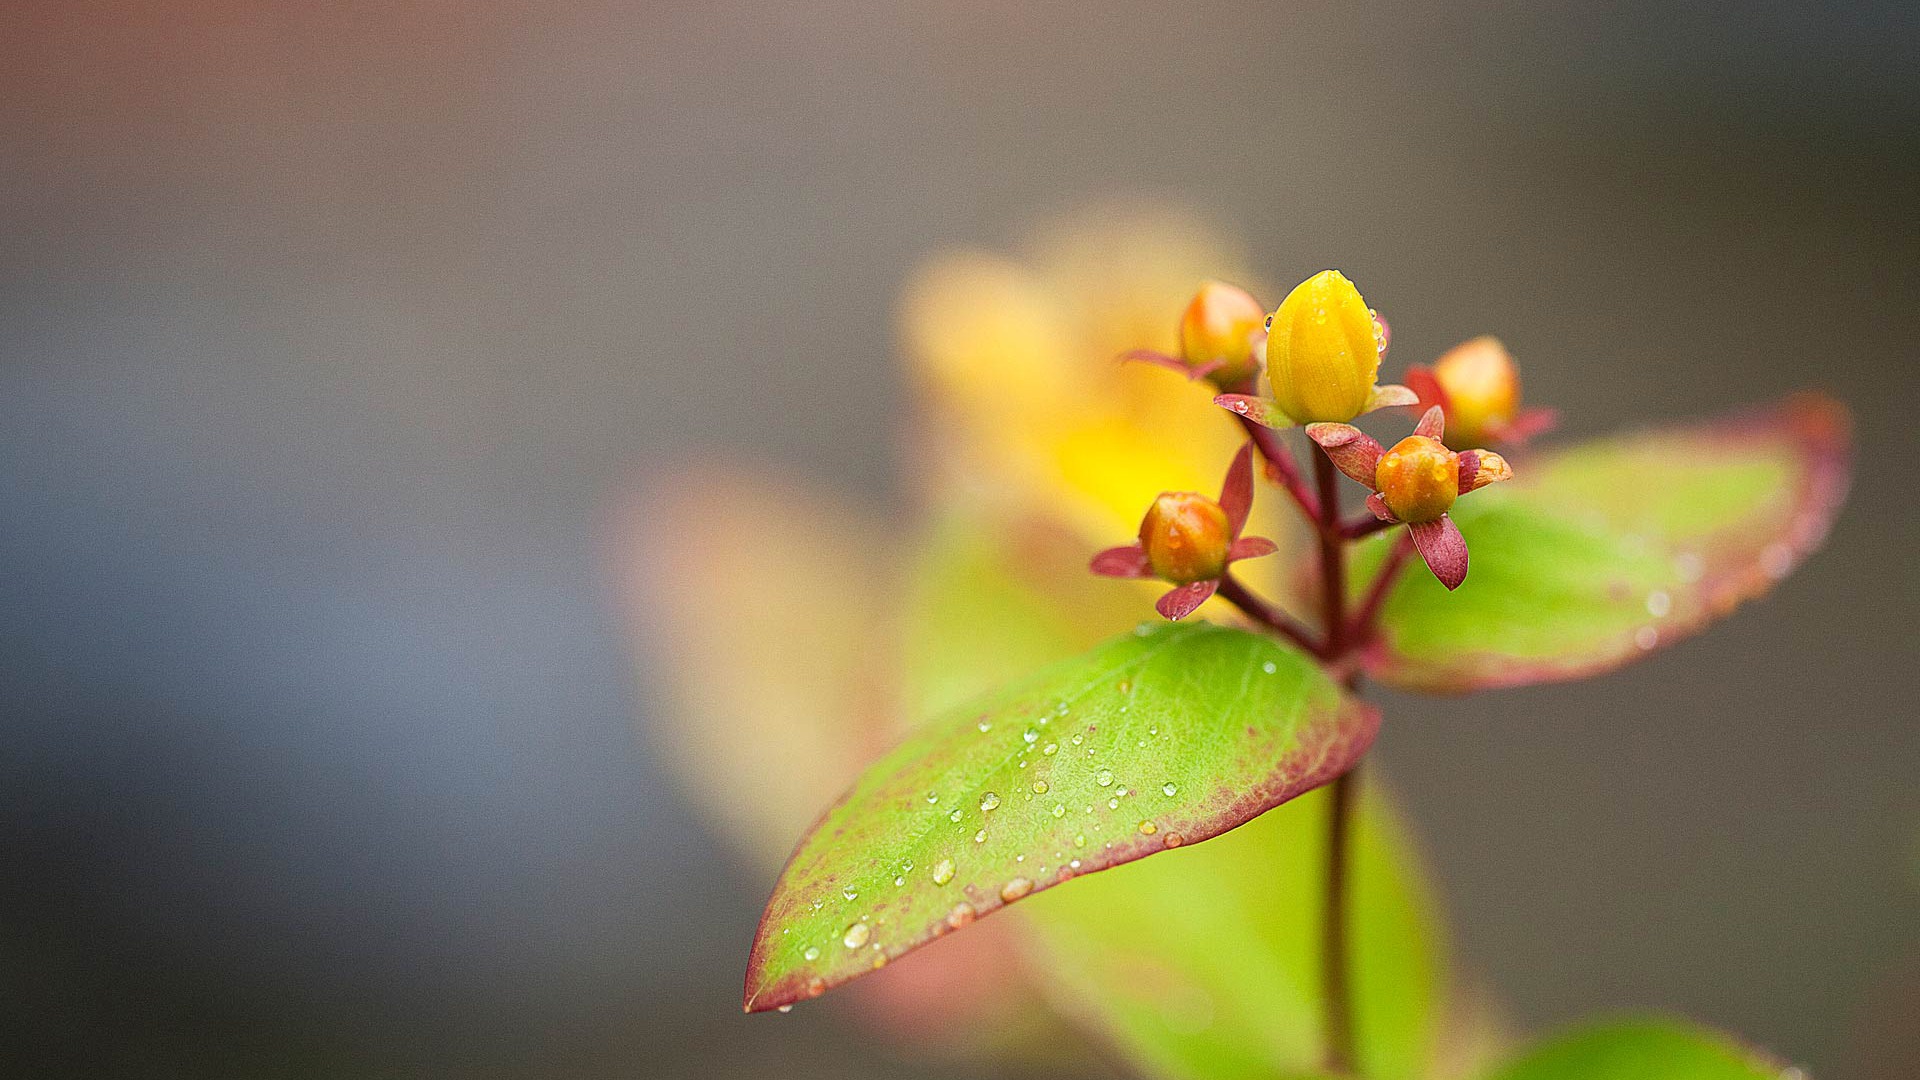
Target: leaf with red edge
<point>1592,556</point>
<point>1201,726</point>
<point>1655,1048</point>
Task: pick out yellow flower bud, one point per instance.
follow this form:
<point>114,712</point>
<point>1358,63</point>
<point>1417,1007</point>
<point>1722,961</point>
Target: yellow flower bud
<point>1186,537</point>
<point>1482,388</point>
<point>1219,327</point>
<point>1418,479</point>
<point>1322,356</point>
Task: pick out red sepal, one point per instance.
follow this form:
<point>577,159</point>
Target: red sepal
<point>1236,491</point>
<point>1122,562</point>
<point>1352,451</point>
<point>1177,604</point>
<point>1419,378</point>
<point>1195,372</point>
<point>1379,507</point>
<point>1444,549</point>
<point>1433,423</point>
<point>1251,547</point>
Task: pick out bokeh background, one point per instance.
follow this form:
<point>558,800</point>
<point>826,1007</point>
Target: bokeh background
<point>331,335</point>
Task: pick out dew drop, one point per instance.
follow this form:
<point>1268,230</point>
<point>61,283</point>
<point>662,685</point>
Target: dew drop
<point>954,814</point>
<point>1015,889</point>
<point>1029,736</point>
<point>1123,792</point>
<point>1125,687</point>
<point>933,796</point>
<point>1059,810</point>
<point>899,881</point>
<point>985,726</point>
<point>1169,790</point>
<point>1646,637</point>
<point>856,935</point>
<point>850,893</point>
<point>816,986</point>
<point>1019,858</point>
<point>980,837</point>
<point>1659,604</point>
<point>1104,778</point>
<point>943,871</point>
<point>1078,739</point>
<point>812,953</point>
<point>1148,828</point>
<point>1174,839</point>
<point>1080,840</point>
<point>961,914</point>
<point>1050,749</point>
<point>784,1009</point>
<point>1269,667</point>
<point>1113,804</point>
<point>1039,787</point>
<point>989,801</point>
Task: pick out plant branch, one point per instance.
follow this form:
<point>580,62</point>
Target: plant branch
<point>1267,614</point>
<point>1334,959</point>
<point>1281,466</point>
<point>1366,620</point>
<point>1333,565</point>
<point>1336,993</point>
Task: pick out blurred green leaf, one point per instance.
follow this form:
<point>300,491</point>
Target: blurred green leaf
<point>1168,735</point>
<point>1205,963</point>
<point>1597,554</point>
<point>1649,1049</point>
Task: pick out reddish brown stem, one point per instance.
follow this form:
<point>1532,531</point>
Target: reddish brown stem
<point>1333,564</point>
<point>1281,466</point>
<point>1333,928</point>
<point>1366,620</point>
<point>1267,614</point>
<point>1336,994</point>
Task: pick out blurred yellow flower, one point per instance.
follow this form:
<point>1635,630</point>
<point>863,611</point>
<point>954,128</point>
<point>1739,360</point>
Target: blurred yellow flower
<point>1029,411</point>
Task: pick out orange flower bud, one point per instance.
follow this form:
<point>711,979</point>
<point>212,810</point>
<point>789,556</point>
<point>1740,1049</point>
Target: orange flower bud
<point>1186,537</point>
<point>1219,328</point>
<point>1322,354</point>
<point>1482,389</point>
<point>1418,479</point>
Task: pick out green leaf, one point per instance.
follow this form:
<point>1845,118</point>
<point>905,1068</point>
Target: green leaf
<point>1169,735</point>
<point>1595,555</point>
<point>1205,963</point>
<point>1649,1049</point>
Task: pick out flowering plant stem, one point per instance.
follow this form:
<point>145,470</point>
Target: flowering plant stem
<point>1339,636</point>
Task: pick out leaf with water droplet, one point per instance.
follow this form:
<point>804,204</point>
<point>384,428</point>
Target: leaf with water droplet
<point>1596,554</point>
<point>1639,1049</point>
<point>1239,743</point>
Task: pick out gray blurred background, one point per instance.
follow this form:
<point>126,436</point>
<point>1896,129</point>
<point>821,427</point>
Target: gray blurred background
<point>330,333</point>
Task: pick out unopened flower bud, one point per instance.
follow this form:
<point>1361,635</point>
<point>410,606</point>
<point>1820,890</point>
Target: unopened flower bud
<point>1418,479</point>
<point>1219,329</point>
<point>1322,353</point>
<point>1482,389</point>
<point>1186,537</point>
